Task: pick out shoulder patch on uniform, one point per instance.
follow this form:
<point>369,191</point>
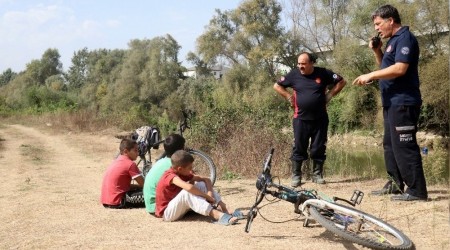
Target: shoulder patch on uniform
<point>405,50</point>
<point>335,76</point>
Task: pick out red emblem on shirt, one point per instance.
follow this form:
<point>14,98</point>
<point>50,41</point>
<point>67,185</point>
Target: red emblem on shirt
<point>318,80</point>
<point>389,48</point>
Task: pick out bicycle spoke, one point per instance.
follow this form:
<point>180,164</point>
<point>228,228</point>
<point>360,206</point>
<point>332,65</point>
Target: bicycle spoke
<point>361,228</point>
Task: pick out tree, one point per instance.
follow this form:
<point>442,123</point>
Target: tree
<point>161,73</point>
<point>149,73</point>
<point>201,68</point>
<point>7,76</point>
<point>48,65</point>
<point>251,35</point>
<point>78,71</point>
<point>319,25</point>
<point>431,23</point>
<point>55,83</point>
<point>101,67</point>
<point>434,80</point>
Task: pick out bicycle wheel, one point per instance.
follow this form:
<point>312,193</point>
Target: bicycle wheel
<point>203,165</point>
<point>359,227</point>
<point>250,216</point>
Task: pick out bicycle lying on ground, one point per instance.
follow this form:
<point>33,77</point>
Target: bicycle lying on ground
<point>346,222</point>
<point>203,164</point>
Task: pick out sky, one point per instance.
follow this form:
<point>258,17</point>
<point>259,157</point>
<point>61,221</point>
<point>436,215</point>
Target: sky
<point>29,27</point>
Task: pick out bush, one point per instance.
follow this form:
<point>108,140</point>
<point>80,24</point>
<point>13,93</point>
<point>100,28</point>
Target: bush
<point>435,163</point>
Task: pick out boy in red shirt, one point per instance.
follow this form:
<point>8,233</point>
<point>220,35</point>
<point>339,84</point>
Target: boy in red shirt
<point>117,190</point>
<point>176,193</point>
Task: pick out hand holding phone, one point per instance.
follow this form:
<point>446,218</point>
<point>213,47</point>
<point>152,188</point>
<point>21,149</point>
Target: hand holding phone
<point>376,40</point>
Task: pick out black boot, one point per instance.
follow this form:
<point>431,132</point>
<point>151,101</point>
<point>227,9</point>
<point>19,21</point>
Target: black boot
<point>296,173</point>
<point>317,176</point>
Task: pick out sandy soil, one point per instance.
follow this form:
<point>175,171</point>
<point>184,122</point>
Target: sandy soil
<point>51,182</point>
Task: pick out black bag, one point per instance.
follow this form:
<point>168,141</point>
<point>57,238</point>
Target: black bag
<point>146,137</point>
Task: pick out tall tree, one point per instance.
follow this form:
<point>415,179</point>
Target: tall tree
<point>319,25</point>
<point>78,71</point>
<point>150,72</point>
<point>48,65</point>
<point>250,34</point>
<point>103,69</point>
<point>7,76</point>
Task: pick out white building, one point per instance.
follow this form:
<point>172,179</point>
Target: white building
<point>216,71</point>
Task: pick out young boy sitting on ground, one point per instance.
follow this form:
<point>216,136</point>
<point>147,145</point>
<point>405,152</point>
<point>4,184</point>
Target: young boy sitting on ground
<point>172,143</point>
<point>176,195</point>
<point>117,190</point>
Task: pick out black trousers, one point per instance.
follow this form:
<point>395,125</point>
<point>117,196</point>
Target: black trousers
<point>401,151</point>
<point>306,130</point>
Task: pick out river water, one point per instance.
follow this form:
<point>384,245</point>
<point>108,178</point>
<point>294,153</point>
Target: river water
<point>369,163</point>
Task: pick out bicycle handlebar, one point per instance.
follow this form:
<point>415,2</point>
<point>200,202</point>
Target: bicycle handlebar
<point>268,162</point>
<point>264,182</point>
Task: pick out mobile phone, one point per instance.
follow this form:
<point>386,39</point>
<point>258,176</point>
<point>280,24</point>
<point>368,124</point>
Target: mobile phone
<point>376,41</point>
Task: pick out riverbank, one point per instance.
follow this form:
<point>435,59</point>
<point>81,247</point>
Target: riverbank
<point>373,139</point>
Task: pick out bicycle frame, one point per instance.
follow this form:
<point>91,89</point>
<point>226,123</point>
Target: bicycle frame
<point>301,199</point>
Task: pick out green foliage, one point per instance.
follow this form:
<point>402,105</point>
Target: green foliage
<point>55,82</point>
<point>229,175</point>
<point>361,25</point>
<point>92,73</point>
<point>78,71</point>
<point>250,34</point>
<point>48,65</point>
<point>134,117</point>
<point>7,76</point>
<point>435,163</point>
<point>40,99</point>
<point>165,124</point>
<point>5,110</point>
<point>435,94</point>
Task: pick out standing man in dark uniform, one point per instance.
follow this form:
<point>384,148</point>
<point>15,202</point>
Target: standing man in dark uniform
<point>313,89</point>
<point>401,98</point>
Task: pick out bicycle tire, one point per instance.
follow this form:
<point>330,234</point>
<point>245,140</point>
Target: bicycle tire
<point>203,165</point>
<point>254,209</point>
<point>250,216</point>
<point>361,228</point>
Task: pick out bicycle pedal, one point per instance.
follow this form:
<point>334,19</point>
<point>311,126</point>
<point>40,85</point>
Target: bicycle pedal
<point>357,197</point>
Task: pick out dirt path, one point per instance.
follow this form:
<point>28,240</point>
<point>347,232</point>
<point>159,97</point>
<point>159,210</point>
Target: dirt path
<point>50,186</point>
